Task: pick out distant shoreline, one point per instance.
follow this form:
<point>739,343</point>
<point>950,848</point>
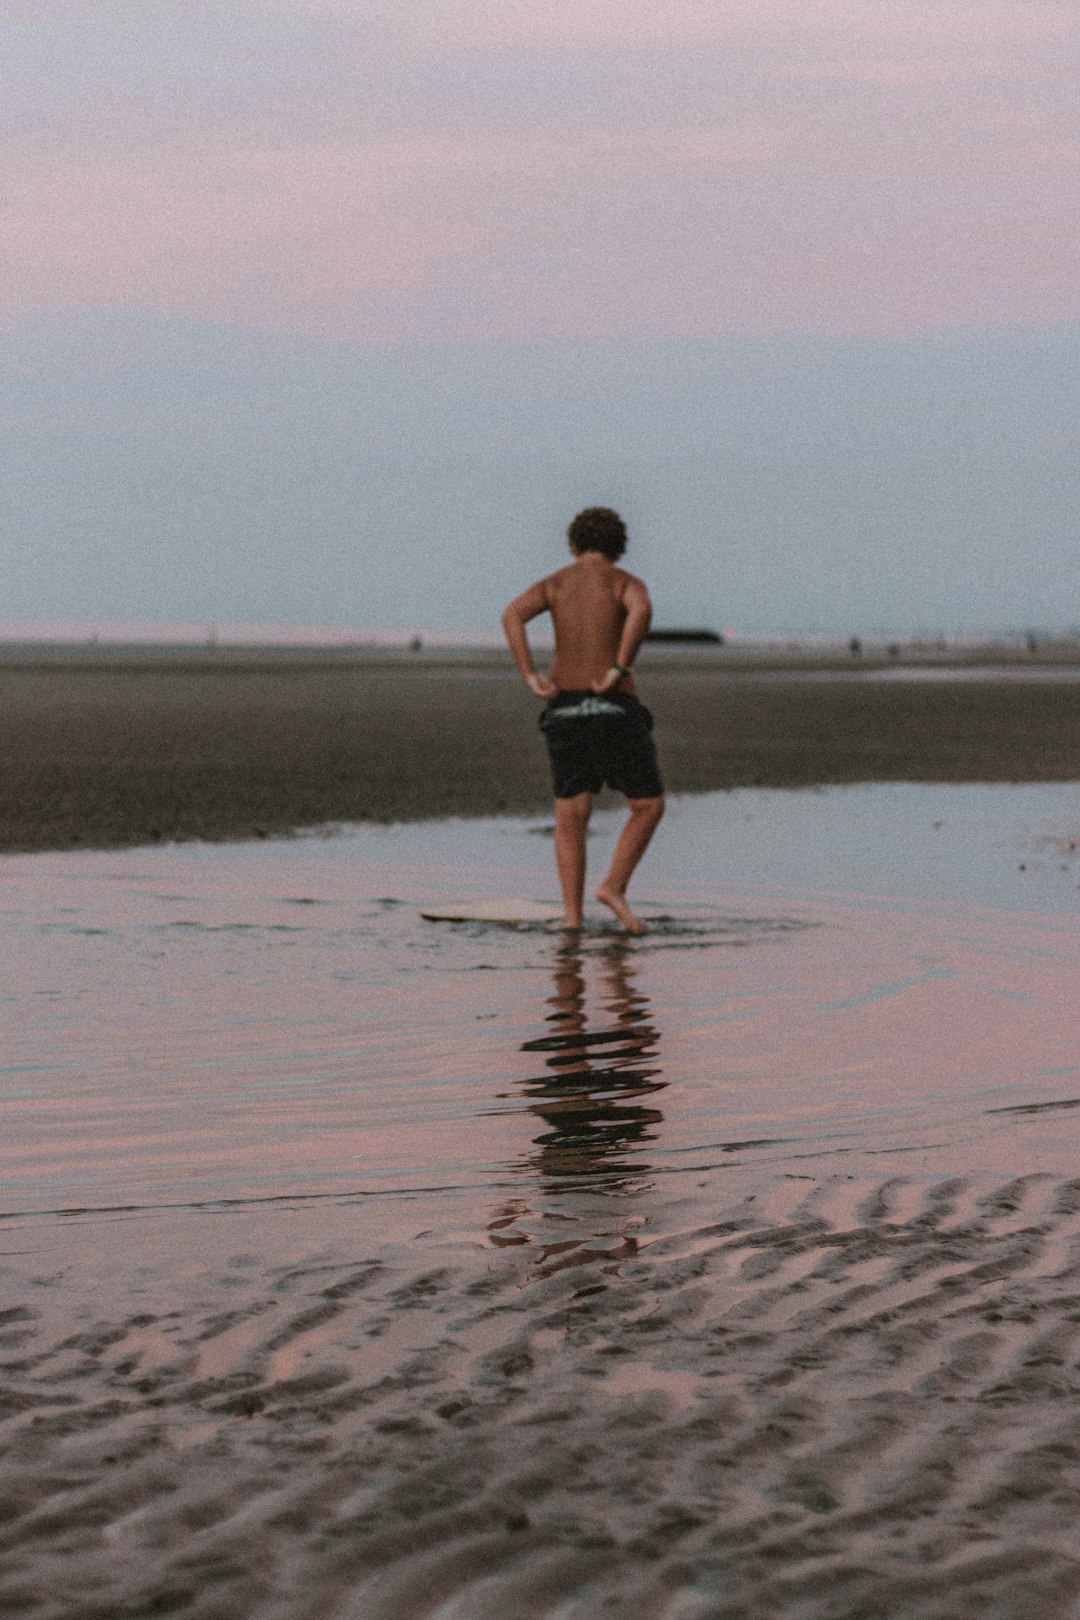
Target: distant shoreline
<point>689,657</point>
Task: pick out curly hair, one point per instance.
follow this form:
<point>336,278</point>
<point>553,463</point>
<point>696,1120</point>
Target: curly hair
<point>598,528</point>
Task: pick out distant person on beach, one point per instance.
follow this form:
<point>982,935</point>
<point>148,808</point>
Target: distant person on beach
<point>596,730</point>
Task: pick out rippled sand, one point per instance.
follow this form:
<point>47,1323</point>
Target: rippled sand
<point>355,1266</point>
<point>828,1399</point>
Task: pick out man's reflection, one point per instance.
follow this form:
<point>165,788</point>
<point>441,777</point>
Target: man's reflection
<point>597,1073</point>
<point>594,1078</point>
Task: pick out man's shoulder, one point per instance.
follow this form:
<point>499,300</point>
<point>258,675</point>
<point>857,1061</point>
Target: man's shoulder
<point>630,582</point>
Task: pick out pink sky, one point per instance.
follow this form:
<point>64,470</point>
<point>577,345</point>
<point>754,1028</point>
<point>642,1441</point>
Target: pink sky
<point>467,169</point>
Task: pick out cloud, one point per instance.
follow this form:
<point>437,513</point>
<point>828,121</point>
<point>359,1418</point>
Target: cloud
<point>899,72</point>
<point>1054,154</point>
<point>443,170</point>
<point>611,22</point>
<point>280,228</point>
<point>472,25</point>
<point>576,24</point>
<point>300,234</point>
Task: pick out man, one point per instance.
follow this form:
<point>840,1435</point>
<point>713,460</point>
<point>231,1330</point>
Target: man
<point>596,730</point>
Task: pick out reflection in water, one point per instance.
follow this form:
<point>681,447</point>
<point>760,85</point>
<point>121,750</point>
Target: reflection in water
<point>588,1095</point>
<point>590,1098</point>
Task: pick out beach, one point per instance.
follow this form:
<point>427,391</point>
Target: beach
<point>357,1267</point>
<point>423,1197</point>
<point>835,1400</point>
<point>110,747</point>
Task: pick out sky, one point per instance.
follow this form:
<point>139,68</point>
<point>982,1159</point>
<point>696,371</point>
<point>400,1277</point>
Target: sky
<point>321,311</point>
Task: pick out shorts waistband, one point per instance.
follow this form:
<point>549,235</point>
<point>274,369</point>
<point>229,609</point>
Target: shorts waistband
<point>584,705</point>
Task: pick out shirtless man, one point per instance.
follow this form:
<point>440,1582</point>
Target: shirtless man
<point>596,730</point>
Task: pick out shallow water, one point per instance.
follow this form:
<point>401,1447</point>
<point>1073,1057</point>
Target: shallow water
<point>363,1266</point>
<point>865,982</point>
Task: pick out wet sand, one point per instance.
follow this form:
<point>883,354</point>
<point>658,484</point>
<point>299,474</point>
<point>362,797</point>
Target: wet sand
<point>110,749</point>
<point>357,1268</point>
<point>828,1400</point>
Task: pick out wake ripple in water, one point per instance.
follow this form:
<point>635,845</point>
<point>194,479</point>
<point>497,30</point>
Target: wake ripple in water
<point>708,925</point>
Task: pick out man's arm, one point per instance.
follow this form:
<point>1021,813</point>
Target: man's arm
<point>635,599</point>
<point>523,608</point>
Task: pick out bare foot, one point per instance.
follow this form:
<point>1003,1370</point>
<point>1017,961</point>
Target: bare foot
<point>572,925</point>
<point>617,903</point>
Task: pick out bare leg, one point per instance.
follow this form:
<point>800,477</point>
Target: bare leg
<point>571,824</point>
<point>634,839</point>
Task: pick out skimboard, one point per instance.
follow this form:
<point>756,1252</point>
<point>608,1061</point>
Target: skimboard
<point>494,911</point>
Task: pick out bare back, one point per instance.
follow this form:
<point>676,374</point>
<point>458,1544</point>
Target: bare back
<point>589,602</point>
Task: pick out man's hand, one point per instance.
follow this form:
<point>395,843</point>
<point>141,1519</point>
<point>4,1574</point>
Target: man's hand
<point>611,679</point>
<point>541,686</point>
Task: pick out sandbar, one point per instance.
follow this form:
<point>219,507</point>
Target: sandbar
<point>112,748</point>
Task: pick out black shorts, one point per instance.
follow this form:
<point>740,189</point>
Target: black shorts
<point>589,750</point>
